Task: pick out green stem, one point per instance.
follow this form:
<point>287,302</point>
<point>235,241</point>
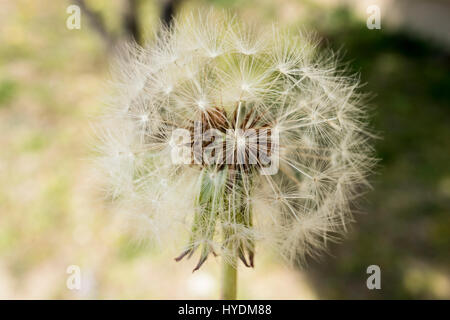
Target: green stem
<point>229,279</point>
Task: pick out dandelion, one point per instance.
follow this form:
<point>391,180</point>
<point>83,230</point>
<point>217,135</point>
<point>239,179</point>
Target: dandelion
<point>235,140</point>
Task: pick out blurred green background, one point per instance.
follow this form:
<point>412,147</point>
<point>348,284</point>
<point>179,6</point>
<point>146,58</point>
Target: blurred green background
<point>52,216</point>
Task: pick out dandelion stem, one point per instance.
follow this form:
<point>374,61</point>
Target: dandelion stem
<point>229,279</point>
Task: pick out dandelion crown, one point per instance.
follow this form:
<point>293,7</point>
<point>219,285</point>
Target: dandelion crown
<point>233,139</point>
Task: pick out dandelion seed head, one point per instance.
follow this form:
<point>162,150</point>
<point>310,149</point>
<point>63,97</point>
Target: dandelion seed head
<point>213,69</point>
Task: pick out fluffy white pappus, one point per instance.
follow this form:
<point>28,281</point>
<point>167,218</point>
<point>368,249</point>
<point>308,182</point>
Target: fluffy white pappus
<point>215,70</point>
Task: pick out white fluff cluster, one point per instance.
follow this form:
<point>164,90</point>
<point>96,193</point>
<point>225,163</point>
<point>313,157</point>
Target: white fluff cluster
<point>210,62</point>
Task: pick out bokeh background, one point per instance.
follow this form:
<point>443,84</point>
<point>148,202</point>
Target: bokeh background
<point>52,216</point>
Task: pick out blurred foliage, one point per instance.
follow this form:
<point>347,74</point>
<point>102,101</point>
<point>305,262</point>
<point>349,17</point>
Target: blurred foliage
<point>406,230</point>
<point>7,91</point>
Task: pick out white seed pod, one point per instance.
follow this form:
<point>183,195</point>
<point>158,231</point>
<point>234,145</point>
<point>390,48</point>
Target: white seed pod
<point>212,72</point>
